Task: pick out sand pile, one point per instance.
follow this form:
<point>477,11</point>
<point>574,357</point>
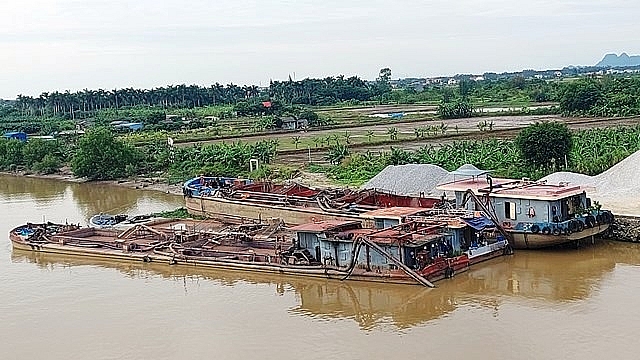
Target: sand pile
<point>410,179</point>
<point>617,188</point>
<point>572,178</point>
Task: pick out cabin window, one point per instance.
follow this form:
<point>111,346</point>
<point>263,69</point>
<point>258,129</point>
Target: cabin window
<point>510,210</point>
<point>327,245</point>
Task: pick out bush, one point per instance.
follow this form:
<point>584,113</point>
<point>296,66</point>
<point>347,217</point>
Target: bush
<point>49,164</point>
<point>100,156</point>
<point>545,143</point>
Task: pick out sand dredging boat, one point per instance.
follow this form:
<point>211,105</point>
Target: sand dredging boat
<point>229,198</point>
<point>422,248</point>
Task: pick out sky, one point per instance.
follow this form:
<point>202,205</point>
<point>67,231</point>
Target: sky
<point>49,45</point>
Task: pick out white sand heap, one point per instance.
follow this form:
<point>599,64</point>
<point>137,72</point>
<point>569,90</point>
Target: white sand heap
<point>410,179</point>
<point>617,188</point>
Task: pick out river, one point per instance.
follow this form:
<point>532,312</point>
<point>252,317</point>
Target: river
<point>562,304</point>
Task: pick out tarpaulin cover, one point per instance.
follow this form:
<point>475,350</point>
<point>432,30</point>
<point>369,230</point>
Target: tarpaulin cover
<point>479,223</point>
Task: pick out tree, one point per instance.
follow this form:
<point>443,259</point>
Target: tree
<point>296,141</point>
<point>337,153</point>
<point>545,143</point>
<point>383,82</point>
<point>461,108</point>
<point>42,156</point>
<point>101,156</point>
<point>369,135</point>
<point>580,95</point>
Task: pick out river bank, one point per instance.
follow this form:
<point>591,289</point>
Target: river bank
<point>139,183</point>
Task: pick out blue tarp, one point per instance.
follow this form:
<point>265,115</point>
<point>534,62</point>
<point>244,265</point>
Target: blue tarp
<point>479,223</point>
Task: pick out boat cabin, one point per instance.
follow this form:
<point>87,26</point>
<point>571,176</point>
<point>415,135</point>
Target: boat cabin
<point>517,204</point>
<point>391,216</point>
<point>328,242</point>
<point>415,244</point>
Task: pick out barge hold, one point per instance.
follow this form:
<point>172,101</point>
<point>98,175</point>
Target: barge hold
<point>418,251</point>
<point>228,199</point>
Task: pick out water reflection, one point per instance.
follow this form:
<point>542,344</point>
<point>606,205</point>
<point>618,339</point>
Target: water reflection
<point>85,198</point>
<point>35,188</point>
<point>550,277</point>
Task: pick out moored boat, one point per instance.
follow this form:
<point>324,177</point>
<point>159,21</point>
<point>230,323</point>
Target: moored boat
<point>237,199</point>
<point>120,221</point>
<point>420,251</point>
<point>534,214</point>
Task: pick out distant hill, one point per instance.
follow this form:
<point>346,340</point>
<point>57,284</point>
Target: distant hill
<point>613,60</point>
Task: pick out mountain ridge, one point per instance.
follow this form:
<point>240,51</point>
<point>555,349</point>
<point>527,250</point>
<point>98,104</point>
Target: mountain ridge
<point>613,60</point>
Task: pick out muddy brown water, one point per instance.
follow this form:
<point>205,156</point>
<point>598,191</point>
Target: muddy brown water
<point>560,304</point>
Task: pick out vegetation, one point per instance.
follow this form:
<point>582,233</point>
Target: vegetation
<point>100,156</point>
<point>592,152</point>
<point>179,213</point>
<point>36,155</point>
<point>608,96</point>
<point>545,143</point>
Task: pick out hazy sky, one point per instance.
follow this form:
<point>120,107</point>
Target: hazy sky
<point>48,45</point>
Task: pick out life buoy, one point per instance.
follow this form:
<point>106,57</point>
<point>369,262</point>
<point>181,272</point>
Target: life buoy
<point>556,231</point>
<point>535,228</point>
<point>571,225</point>
<point>599,219</point>
<point>606,217</point>
<point>580,226</point>
<point>546,230</point>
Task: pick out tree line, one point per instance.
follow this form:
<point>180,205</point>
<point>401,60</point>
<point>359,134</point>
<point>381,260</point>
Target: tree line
<point>81,104</point>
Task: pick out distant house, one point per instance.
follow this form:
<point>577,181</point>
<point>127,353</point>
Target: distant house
<point>129,126</point>
<point>71,132</point>
<point>291,123</point>
<point>16,135</point>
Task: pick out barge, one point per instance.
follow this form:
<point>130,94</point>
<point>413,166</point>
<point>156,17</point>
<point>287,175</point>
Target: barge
<point>417,251</point>
<point>534,214</point>
<point>236,199</point>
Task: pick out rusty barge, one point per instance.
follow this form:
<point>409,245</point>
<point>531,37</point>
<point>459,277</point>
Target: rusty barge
<point>422,248</point>
<point>238,199</point>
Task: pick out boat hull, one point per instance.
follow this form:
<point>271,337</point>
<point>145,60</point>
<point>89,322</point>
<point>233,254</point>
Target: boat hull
<point>268,268</point>
<point>536,241</point>
<point>230,209</point>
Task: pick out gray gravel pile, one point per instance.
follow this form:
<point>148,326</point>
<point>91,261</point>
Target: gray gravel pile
<point>569,177</point>
<point>617,188</point>
<point>410,179</point>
